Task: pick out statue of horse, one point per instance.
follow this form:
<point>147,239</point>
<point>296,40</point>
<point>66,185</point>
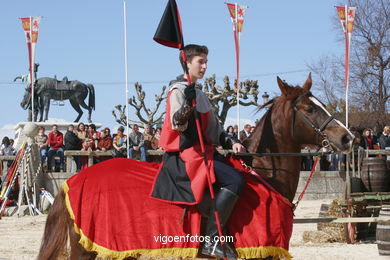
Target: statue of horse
<point>293,119</point>
<point>75,91</point>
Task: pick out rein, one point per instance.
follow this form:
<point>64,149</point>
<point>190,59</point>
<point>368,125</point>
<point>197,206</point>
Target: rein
<point>293,206</point>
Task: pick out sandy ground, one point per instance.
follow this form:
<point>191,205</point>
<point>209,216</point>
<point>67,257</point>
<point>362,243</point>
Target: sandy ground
<point>20,239</point>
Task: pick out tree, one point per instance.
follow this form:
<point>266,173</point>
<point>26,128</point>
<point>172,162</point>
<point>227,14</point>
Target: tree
<point>369,64</point>
<point>221,98</point>
<point>224,98</point>
<point>144,114</point>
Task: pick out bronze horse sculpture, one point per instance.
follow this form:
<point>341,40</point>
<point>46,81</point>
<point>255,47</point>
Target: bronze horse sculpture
<point>46,89</point>
<point>293,119</point>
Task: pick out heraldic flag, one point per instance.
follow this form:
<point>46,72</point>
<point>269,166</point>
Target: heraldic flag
<point>169,31</point>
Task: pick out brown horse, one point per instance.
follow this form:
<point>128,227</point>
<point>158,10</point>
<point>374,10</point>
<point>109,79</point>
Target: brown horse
<point>293,119</point>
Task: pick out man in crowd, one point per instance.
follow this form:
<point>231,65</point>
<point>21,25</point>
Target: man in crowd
<point>56,147</point>
<point>245,132</point>
<point>72,142</point>
<point>136,143</point>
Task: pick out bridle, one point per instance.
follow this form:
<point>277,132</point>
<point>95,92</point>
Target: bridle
<point>318,129</point>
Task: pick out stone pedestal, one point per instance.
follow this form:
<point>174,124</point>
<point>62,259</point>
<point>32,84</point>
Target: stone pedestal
<point>23,127</point>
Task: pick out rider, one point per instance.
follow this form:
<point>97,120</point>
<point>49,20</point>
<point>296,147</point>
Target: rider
<point>182,178</point>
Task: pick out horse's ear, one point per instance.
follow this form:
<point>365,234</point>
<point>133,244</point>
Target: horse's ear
<point>284,87</point>
<point>308,83</point>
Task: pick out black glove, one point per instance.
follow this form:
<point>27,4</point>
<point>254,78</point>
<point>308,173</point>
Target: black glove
<point>189,93</point>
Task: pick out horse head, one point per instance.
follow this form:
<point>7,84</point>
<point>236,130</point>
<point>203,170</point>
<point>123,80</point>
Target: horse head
<point>298,118</point>
<point>26,101</point>
<point>310,121</point>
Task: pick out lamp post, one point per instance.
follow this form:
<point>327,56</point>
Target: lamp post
<point>265,97</point>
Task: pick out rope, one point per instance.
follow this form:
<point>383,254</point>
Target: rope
<point>295,205</point>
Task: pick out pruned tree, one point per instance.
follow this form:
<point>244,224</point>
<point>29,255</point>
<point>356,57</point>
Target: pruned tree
<point>221,98</point>
<point>224,98</point>
<point>143,113</point>
<point>369,64</point>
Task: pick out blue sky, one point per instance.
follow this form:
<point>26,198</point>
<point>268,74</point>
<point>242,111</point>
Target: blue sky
<point>84,41</point>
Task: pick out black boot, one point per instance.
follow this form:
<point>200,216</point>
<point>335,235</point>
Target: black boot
<point>225,201</point>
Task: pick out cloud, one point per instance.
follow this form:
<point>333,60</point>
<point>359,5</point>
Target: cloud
<point>7,130</point>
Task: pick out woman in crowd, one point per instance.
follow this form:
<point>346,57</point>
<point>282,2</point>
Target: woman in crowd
<point>42,141</point>
<point>230,131</point>
<point>119,143</point>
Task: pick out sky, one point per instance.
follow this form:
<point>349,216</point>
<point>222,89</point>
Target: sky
<point>84,40</point>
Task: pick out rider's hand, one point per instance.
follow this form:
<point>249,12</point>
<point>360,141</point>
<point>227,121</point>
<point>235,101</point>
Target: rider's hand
<point>238,148</point>
<point>189,93</point>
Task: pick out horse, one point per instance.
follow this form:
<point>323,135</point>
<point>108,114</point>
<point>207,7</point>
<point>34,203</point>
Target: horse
<point>75,91</point>
<point>293,119</point>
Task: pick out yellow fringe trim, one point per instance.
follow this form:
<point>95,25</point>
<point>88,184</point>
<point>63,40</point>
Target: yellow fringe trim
<point>263,252</point>
<point>89,245</point>
<point>243,252</point>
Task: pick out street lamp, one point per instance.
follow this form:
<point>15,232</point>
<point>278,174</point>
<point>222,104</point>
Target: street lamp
<point>265,97</point>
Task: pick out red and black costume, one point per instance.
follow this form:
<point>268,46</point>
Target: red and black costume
<point>182,177</point>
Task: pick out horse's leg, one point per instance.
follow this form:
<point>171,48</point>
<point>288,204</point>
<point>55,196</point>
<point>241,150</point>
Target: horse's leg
<point>46,105</point>
<point>76,107</point>
<point>82,104</point>
<point>77,252</point>
<point>56,230</point>
<point>41,104</point>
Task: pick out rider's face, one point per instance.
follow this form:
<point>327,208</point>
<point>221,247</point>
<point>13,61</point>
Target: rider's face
<point>197,67</point>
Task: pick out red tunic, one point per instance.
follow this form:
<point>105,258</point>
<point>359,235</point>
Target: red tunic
<point>182,177</point>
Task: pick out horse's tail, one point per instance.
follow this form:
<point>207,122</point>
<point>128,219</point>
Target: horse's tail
<point>91,101</point>
<point>56,232</point>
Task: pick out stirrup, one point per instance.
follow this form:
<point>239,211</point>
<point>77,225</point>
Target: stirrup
<point>216,250</point>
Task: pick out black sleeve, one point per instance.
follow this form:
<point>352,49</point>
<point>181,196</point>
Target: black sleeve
<point>227,141</point>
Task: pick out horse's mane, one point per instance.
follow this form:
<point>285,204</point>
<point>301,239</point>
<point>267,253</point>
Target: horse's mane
<point>254,142</point>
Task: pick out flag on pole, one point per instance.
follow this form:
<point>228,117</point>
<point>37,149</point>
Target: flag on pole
<point>31,27</point>
<point>237,13</point>
<point>169,32</point>
<point>349,19</point>
<point>238,19</point>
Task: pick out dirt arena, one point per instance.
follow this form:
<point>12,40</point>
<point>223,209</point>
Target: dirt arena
<point>20,239</point>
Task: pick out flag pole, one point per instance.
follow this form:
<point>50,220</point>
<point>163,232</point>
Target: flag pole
<point>346,66</point>
<point>237,43</point>
<point>31,72</point>
<point>126,78</point>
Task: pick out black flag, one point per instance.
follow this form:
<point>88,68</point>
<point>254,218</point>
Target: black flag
<point>169,31</point>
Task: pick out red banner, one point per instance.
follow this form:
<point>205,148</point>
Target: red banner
<point>349,19</point>
<point>237,13</point>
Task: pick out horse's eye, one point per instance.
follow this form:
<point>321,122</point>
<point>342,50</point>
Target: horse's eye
<point>309,110</point>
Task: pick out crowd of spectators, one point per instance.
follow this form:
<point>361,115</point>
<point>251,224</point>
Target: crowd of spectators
<point>87,138</point>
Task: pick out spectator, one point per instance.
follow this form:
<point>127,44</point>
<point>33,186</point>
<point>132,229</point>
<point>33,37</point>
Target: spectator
<point>235,128</point>
<point>42,142</point>
<point>72,142</point>
<point>119,143</point>
<point>7,149</point>
<point>156,139</point>
<point>91,140</point>
<point>105,141</point>
<point>384,139</point>
<point>369,140</point>
<point>81,133</point>
<point>245,132</point>
<point>230,131</point>
<point>11,143</point>
<point>148,136</point>
<point>137,143</point>
<point>56,147</point>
